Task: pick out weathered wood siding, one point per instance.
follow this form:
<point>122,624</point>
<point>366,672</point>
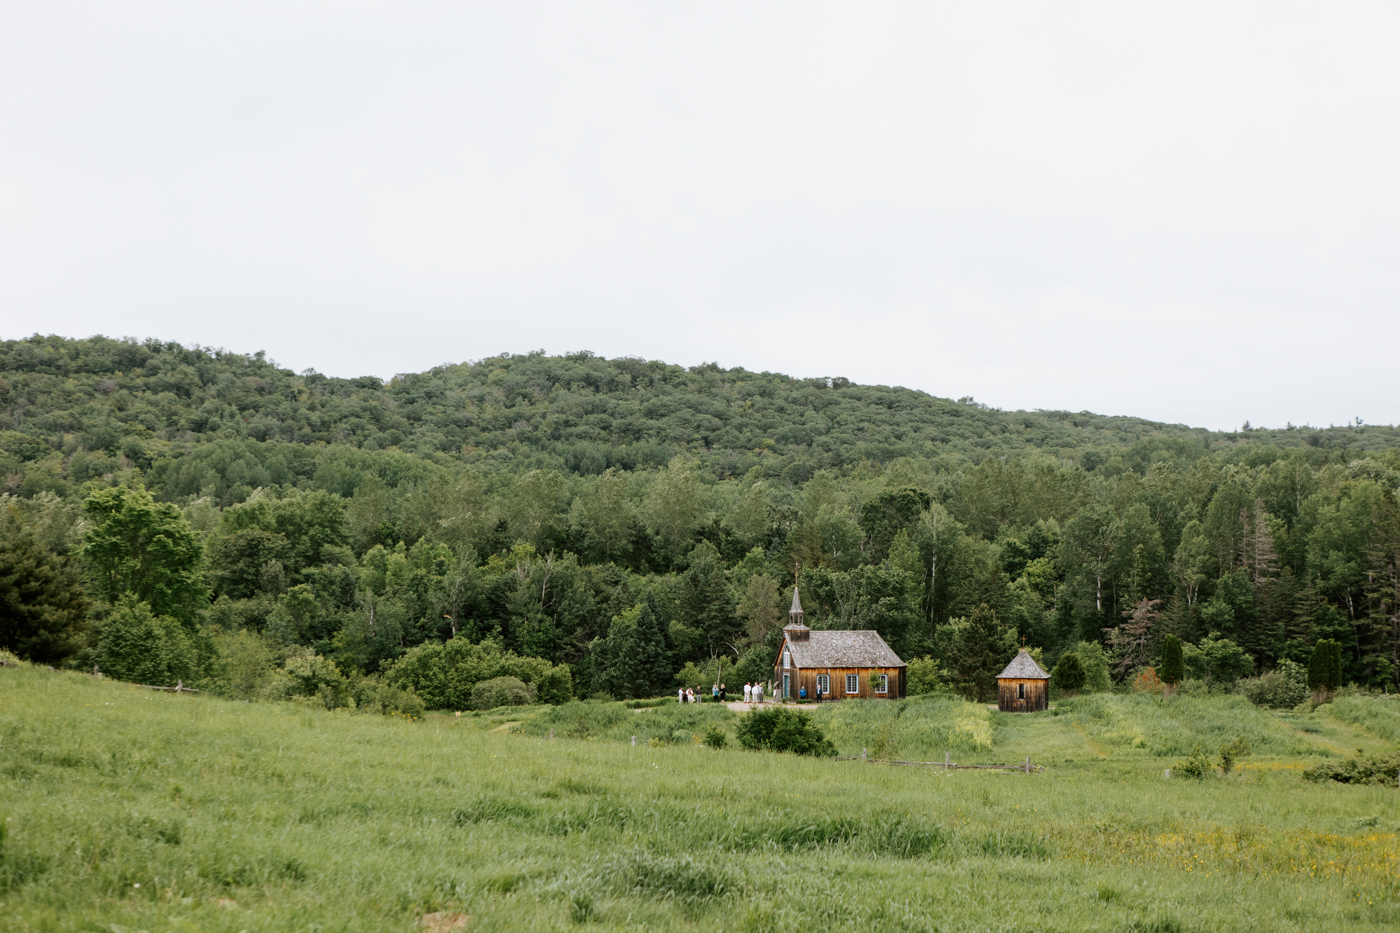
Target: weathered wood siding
<point>1009,699</point>
<point>807,677</point>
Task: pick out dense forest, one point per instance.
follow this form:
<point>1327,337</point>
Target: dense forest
<point>603,526</point>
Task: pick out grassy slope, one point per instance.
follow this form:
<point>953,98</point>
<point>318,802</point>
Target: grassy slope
<point>293,817</point>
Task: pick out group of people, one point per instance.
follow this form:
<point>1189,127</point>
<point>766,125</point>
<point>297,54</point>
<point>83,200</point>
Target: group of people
<point>753,693</point>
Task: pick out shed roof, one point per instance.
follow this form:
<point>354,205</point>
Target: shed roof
<point>843,649</point>
<point>1023,667</point>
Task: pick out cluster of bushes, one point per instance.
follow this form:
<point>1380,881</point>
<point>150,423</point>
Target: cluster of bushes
<point>461,675</point>
<point>1379,769</point>
<point>1198,765</point>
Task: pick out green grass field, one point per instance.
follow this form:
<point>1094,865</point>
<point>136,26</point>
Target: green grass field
<point>126,810</point>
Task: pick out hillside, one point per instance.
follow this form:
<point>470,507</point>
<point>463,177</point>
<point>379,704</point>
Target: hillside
<point>564,508</point>
<point>578,413</point>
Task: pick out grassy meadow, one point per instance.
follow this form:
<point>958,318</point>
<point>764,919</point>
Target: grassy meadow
<point>127,810</point>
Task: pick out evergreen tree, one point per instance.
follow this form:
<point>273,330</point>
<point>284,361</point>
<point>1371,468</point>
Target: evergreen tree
<point>1325,666</point>
<point>632,661</point>
<point>1068,675</point>
<point>42,604</point>
<point>975,650</point>
<point>1172,669</point>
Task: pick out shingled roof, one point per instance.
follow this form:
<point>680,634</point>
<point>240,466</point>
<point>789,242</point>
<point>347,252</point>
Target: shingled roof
<point>843,649</point>
<point>1023,667</point>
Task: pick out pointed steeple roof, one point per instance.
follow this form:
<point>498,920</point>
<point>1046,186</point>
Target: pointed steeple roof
<point>796,609</point>
<point>1023,667</point>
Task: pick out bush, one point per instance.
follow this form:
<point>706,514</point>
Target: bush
<point>1284,687</point>
<point>1197,766</point>
<point>140,647</point>
<point>502,691</point>
<point>1380,769</point>
<point>1231,751</point>
<point>446,675</point>
<point>783,730</point>
<point>926,676</point>
<point>715,737</point>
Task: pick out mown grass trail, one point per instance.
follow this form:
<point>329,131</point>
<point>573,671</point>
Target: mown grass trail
<point>156,813</point>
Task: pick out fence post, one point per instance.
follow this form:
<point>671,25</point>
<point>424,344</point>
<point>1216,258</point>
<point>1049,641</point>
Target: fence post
<point>862,754</point>
<point>96,671</point>
<point>1028,764</point>
<point>947,760</point>
<point>634,741</point>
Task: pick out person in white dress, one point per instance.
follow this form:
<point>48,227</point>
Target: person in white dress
<point>758,692</point>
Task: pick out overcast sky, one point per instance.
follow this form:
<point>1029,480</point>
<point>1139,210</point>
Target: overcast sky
<point>1186,212</point>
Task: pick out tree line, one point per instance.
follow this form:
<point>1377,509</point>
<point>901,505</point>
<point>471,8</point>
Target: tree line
<point>229,558</point>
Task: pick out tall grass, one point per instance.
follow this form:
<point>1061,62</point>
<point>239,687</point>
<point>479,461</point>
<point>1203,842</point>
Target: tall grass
<point>124,809</point>
<point>1181,724</point>
<point>1379,716</point>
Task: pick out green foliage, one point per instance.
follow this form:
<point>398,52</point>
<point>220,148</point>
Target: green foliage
<point>715,737</point>
<point>976,649</point>
<point>502,691</point>
<point>445,675</point>
<point>1172,669</point>
<point>1282,688</point>
<point>1230,752</point>
<point>1096,666</point>
<point>1217,661</point>
<point>1198,766</point>
<point>43,608</point>
<point>1068,675</point>
<point>137,646</point>
<point>1383,770</point>
<point>632,661</point>
<point>783,730</point>
<point>925,675</point>
<point>137,546</point>
<point>1325,666</point>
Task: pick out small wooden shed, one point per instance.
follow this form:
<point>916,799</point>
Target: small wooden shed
<point>1023,687</point>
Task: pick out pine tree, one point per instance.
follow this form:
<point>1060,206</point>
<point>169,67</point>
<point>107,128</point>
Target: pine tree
<point>42,605</point>
<point>977,648</point>
<point>1172,669</point>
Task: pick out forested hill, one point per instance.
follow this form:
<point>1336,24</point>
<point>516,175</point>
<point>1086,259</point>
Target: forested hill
<point>636,522</point>
<point>578,413</point>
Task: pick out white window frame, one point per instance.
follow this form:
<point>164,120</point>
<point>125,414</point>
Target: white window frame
<point>852,684</point>
<point>883,684</point>
<point>787,658</point>
<point>824,684</point>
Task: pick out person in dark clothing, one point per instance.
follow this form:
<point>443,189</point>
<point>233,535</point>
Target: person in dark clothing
<point>721,693</point>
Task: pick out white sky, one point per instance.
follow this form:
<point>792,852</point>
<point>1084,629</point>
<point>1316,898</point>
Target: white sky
<point>1186,212</point>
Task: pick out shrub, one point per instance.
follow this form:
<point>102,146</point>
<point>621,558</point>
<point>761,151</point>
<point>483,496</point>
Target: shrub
<point>783,730</point>
<point>556,686</point>
<point>445,675</point>
<point>1147,681</point>
<point>1380,769</point>
<point>926,676</point>
<point>1068,675</point>
<point>140,647</point>
<point>1284,687</point>
<point>502,691</point>
<point>1197,766</point>
<point>715,737</point>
